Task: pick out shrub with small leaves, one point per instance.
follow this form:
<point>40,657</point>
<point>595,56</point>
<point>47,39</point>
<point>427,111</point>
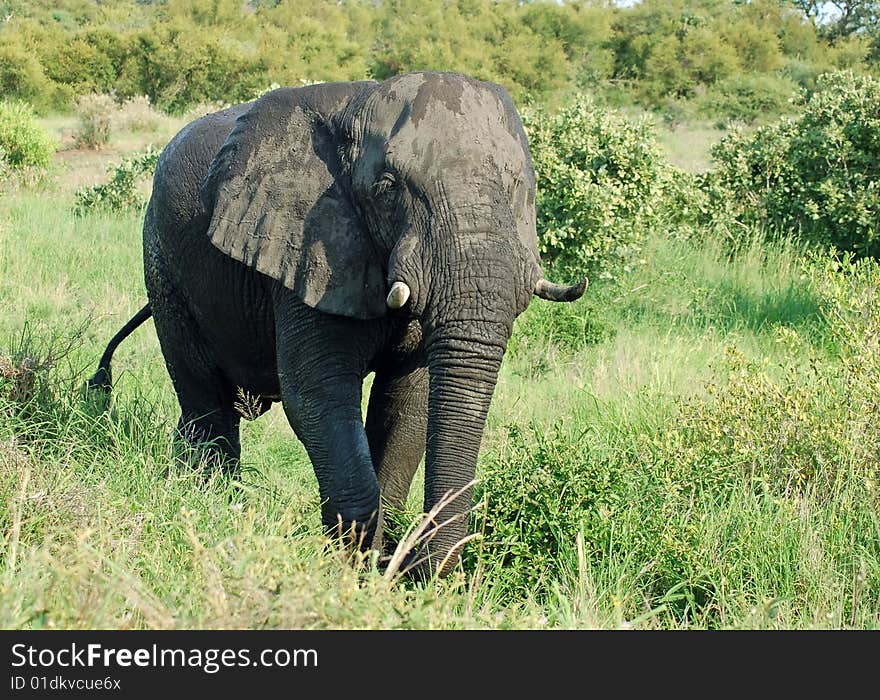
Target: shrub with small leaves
<point>602,185</point>
<point>541,491</point>
<point>23,142</point>
<point>22,76</point>
<point>805,421</point>
<point>95,113</point>
<point>817,175</point>
<point>632,486</point>
<point>748,97</point>
<point>120,192</point>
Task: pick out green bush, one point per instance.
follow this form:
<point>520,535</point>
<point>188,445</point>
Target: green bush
<point>657,489</point>
<point>179,54</point>
<point>22,140</point>
<point>809,420</point>
<point>80,65</point>
<point>804,74</point>
<point>816,175</point>
<point>757,45</point>
<point>748,97</point>
<point>120,192</point>
<point>602,184</point>
<point>176,68</point>
<point>541,491</point>
<point>22,76</point>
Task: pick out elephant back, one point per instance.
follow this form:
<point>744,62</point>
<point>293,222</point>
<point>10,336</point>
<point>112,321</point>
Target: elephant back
<point>176,200</point>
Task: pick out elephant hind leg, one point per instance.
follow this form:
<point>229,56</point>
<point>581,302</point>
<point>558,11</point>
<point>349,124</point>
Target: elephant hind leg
<point>397,420</point>
<point>213,437</point>
<point>209,421</point>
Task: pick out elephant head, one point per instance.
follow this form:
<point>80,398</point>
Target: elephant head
<point>414,197</point>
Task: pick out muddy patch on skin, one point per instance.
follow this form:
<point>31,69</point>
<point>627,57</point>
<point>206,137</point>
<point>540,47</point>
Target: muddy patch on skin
<point>445,90</point>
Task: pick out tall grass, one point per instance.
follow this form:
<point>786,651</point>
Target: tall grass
<point>612,491</point>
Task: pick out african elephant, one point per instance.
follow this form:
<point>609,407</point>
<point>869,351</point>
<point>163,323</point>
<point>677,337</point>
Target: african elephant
<point>296,243</point>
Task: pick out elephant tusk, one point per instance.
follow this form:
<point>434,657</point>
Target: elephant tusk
<point>560,292</point>
<point>398,295</point>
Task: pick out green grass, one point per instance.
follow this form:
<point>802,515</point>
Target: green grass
<point>688,144</point>
<point>635,471</point>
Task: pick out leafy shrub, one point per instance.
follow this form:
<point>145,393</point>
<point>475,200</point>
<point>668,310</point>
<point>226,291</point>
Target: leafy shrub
<point>23,142</point>
<point>748,97</point>
<point>757,47</point>
<point>602,184</point>
<point>95,113</point>
<point>544,489</point>
<point>657,491</point>
<point>488,41</point>
<point>816,175</point>
<point>225,50</point>
<point>120,192</point>
<point>810,419</point>
<point>707,57</point>
<point>81,66</point>
<point>849,53</point>
<point>22,76</point>
<point>778,423</point>
<point>804,74</point>
<point>176,67</point>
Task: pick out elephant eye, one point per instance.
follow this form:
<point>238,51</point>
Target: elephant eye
<point>387,181</point>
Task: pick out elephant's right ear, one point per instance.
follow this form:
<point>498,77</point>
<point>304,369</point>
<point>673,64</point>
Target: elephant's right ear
<point>278,204</point>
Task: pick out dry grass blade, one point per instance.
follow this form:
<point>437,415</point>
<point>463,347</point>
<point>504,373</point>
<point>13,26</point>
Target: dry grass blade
<point>249,406</point>
<point>424,531</point>
<point>14,535</point>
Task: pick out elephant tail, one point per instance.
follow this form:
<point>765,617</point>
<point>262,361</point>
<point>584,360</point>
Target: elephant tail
<point>102,379</point>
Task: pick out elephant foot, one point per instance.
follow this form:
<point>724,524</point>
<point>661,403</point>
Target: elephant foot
<point>355,533</point>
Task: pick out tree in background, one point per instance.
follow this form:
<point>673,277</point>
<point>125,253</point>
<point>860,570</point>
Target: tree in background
<point>842,18</point>
<point>653,51</point>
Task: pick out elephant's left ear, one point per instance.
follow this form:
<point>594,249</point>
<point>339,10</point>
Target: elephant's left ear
<point>278,203</point>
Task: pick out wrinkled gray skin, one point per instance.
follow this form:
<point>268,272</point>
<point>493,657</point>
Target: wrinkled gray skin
<point>274,233</point>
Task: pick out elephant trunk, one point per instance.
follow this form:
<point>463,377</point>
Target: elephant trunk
<point>463,371</point>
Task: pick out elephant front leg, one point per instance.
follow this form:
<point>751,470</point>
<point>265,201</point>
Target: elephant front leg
<point>326,418</point>
<point>321,386</point>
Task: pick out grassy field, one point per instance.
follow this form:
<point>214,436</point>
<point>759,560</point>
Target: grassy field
<point>692,445</point>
